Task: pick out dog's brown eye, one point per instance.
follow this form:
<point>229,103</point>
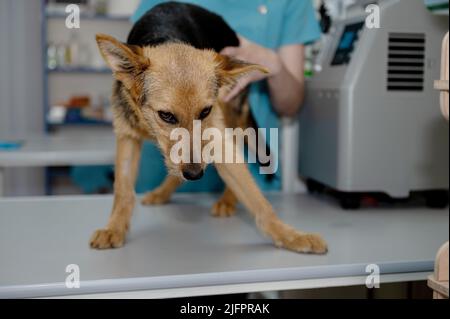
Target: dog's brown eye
<point>205,113</point>
<point>168,117</point>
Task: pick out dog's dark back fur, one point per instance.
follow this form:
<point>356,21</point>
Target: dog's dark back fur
<point>181,22</point>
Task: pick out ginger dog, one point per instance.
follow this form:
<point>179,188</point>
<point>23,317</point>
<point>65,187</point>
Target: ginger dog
<point>168,75</point>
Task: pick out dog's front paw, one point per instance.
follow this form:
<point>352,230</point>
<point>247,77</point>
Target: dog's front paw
<point>155,198</point>
<point>287,237</point>
<point>303,243</point>
<point>223,209</point>
<point>107,239</point>
<point>317,244</point>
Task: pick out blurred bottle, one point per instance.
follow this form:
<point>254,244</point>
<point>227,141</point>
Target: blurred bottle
<point>85,56</point>
<point>62,55</point>
<point>52,56</point>
<point>100,7</point>
<point>73,59</point>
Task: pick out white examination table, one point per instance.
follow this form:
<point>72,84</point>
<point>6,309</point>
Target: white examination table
<point>179,250</point>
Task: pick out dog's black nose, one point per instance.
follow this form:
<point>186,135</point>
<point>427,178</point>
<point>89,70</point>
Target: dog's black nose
<point>193,176</point>
<point>193,172</point>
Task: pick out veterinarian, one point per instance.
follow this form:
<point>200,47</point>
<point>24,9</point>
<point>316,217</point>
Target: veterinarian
<point>273,33</point>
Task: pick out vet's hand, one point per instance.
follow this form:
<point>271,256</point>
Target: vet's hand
<point>252,53</point>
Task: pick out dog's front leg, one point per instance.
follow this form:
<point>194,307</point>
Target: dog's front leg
<point>127,161</point>
<point>226,205</point>
<point>239,179</point>
<point>162,194</point>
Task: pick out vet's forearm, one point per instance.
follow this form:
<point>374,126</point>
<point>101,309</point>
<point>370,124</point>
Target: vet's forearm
<point>287,92</point>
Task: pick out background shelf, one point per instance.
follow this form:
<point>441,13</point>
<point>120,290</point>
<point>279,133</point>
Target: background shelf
<point>89,75</point>
<point>80,70</point>
<point>91,17</point>
<point>81,124</point>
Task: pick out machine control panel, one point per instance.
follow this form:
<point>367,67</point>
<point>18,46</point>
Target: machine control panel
<point>347,44</point>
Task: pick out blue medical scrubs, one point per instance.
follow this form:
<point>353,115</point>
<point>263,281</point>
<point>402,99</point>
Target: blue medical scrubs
<point>270,23</point>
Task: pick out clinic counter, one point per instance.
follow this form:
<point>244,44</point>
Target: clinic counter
<point>54,150</point>
<point>84,148</point>
<point>179,250</point>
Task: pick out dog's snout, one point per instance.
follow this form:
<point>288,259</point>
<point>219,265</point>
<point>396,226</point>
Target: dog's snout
<point>193,172</point>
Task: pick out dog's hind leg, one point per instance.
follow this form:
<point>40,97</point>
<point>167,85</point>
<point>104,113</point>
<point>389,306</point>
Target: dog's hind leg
<point>226,205</point>
<point>127,161</point>
<point>163,193</point>
<point>239,179</point>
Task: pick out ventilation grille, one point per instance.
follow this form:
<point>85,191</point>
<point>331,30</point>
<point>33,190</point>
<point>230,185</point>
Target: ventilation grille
<point>406,62</point>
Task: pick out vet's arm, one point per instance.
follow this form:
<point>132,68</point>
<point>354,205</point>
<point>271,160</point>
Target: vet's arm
<point>287,86</point>
<point>286,79</point>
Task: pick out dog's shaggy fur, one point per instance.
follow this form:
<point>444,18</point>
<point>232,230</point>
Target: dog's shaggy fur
<point>168,75</point>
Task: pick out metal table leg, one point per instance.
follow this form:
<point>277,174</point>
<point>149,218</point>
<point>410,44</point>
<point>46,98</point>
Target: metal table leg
<point>2,181</point>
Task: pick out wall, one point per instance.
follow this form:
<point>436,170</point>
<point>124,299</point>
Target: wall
<point>21,84</point>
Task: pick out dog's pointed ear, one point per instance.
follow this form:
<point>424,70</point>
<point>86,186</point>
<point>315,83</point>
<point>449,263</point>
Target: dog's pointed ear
<point>230,70</point>
<point>124,60</point>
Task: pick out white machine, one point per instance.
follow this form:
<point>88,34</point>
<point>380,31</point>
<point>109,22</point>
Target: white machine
<point>371,121</point>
